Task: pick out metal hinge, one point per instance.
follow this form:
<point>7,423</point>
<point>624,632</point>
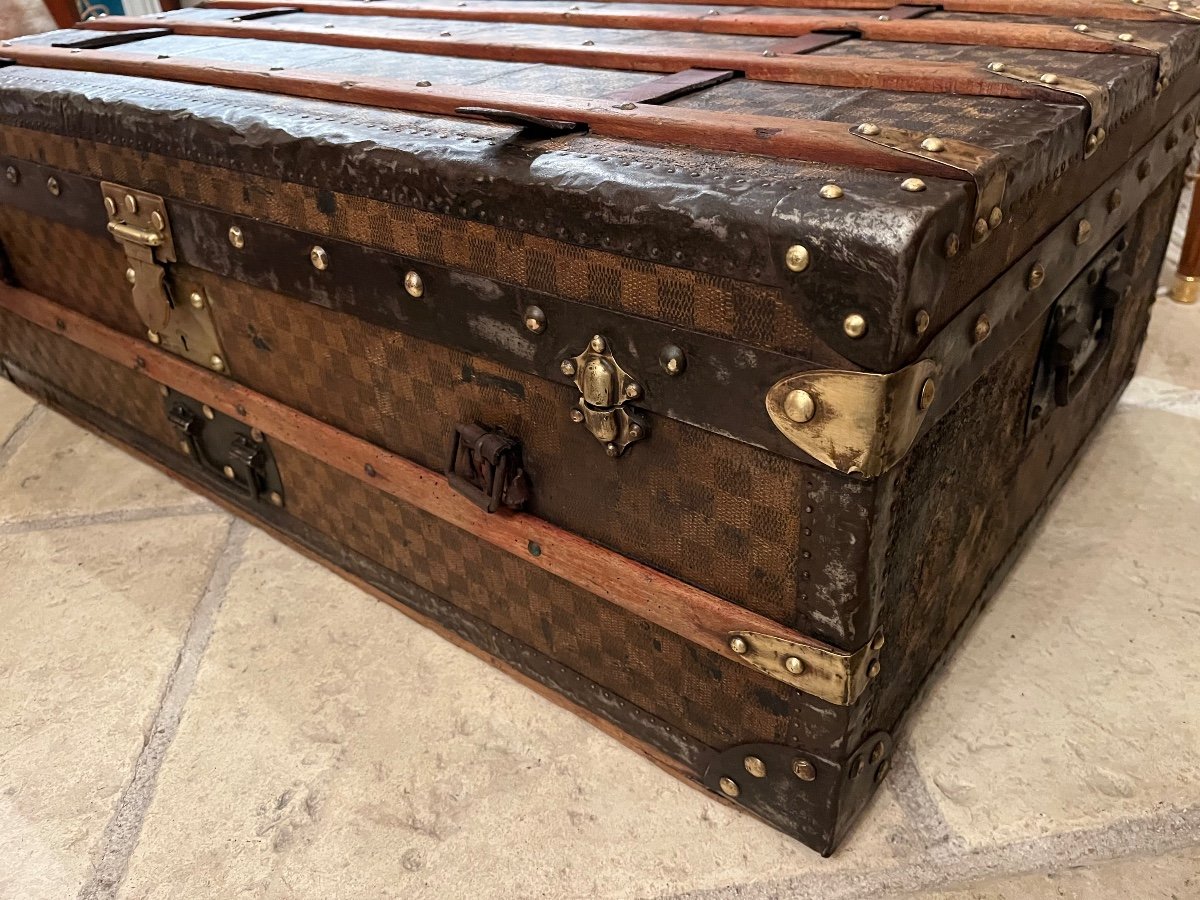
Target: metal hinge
<point>176,310</point>
<point>858,423</point>
<point>606,394</point>
<point>813,668</point>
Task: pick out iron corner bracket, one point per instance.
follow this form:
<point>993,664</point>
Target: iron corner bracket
<point>810,666</point>
<point>858,423</point>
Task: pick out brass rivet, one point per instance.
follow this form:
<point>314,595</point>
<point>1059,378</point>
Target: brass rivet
<point>275,498</point>
<point>185,447</point>
<point>879,641</point>
<point>672,359</point>
<point>1090,145</point>
<point>413,284</point>
<point>131,203</point>
<point>1083,29</point>
<point>882,770</point>
<point>998,67</point>
<point>952,246</point>
<point>832,192</point>
<point>912,185</point>
<point>589,43</point>
<point>869,129</point>
<point>738,645</point>
<point>794,665</point>
<point>877,753</point>
<point>612,451</point>
<point>157,221</point>
<point>153,337</point>
<point>995,218</point>
<point>12,174</point>
<point>196,299</point>
<point>236,237</point>
<point>1049,78</point>
<point>632,392</point>
<point>1143,171</point>
<point>854,325</point>
<point>729,787</point>
<point>980,230</point>
<point>627,106</point>
<point>1037,275</point>
<point>319,258</point>
<point>1083,231</point>
<point>1115,200</point>
<point>635,429</point>
<point>799,406</point>
<point>131,275</point>
<point>933,145</point>
<point>208,413</point>
<point>256,435</point>
<point>797,258</point>
<point>110,207</point>
<point>928,392</point>
<point>803,770</point>
<point>755,766</point>
<point>873,669</point>
<point>856,767</point>
<point>567,367</point>
<point>164,391</point>
<point>922,321</point>
<point>216,363</point>
<point>1125,36</point>
<point>424,83</point>
<point>597,344</point>
<point>535,319</point>
<point>52,186</point>
<point>576,416</point>
<point>983,327</point>
<point>228,472</point>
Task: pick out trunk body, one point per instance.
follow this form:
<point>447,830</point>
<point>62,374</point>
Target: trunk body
<point>780,326</point>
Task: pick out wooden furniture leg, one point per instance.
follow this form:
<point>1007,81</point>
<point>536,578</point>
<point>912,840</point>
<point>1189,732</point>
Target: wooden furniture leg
<point>1186,288</point>
<point>64,12</point>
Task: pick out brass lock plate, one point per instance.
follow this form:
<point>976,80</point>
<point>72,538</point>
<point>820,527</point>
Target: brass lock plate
<point>190,331</point>
<point>138,222</point>
<point>606,394</point>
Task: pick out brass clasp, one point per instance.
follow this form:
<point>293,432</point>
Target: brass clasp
<point>606,393</point>
<point>138,221</point>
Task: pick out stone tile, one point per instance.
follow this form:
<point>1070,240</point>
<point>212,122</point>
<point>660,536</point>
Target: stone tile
<point>1172,876</point>
<point>1170,352</point>
<point>1072,703</point>
<point>62,470</point>
<point>15,405</point>
<point>331,746</point>
<point>90,636</point>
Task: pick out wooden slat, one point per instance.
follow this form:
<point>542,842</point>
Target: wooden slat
<point>893,74</point>
<point>689,612</point>
<point>787,138</point>
<point>511,11</point>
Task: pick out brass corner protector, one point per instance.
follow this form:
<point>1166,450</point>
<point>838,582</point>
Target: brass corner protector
<point>814,668</point>
<point>1096,96</point>
<point>858,423</point>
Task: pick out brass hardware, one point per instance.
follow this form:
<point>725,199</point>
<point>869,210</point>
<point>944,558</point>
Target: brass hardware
<point>921,322</point>
<point>1049,78</point>
<point>952,246</point>
<point>208,412</point>
<point>53,186</point>
<point>983,327</point>
<point>485,467</point>
<point>980,230</point>
<point>672,359</point>
<point>878,642</point>
<point>257,436</point>
<point>876,753</point>
<point>862,422</point>
<point>1192,13</point>
<point>153,337</point>
<point>236,238</point>
<point>413,284</point>
<point>1083,232</point>
<point>729,787</point>
<point>1186,289</point>
<point>868,129</point>
<point>1037,275</point>
<point>798,406</point>
<point>276,498</point>
<point>605,390</point>
<point>216,363</point>
<point>928,392</point>
<point>12,174</point>
<point>824,672</point>
<point>319,258</point>
<point>755,766</point>
<point>576,416</point>
<point>912,185</point>
<point>832,192</point>
<point>797,258</point>
<point>228,472</point>
<point>1115,200</point>
<point>794,665</point>
<point>803,770</point>
<point>882,770</point>
<point>933,145</point>
<point>995,218</point>
<point>1096,96</point>
<point>535,319</point>
<point>196,299</point>
<point>854,325</point>
<point>147,249</point>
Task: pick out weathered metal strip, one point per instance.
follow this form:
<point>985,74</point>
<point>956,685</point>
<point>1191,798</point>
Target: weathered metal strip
<point>695,615</point>
<point>112,39</point>
<point>773,136</point>
<point>671,87</point>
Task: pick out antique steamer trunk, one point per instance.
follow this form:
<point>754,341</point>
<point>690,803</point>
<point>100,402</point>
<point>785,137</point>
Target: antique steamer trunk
<point>702,367</point>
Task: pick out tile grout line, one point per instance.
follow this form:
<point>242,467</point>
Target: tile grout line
<point>912,795</point>
<point>1144,392</point>
<point>110,517</point>
<point>124,828</point>
<point>20,433</point>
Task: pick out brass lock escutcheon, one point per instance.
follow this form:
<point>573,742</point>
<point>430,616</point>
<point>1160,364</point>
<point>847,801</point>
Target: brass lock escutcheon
<point>606,395</point>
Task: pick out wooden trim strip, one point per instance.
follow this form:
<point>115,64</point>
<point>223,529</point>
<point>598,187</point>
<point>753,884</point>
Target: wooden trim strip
<point>802,139</point>
<point>893,73</point>
<point>516,11</point>
<point>689,612</point>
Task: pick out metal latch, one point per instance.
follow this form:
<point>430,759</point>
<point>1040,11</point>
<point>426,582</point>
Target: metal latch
<point>485,467</point>
<point>606,393</point>
<point>225,448</point>
<point>175,308</point>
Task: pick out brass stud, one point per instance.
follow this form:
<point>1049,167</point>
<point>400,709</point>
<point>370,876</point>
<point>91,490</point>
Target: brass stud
<point>797,258</point>
<point>794,665</point>
<point>997,67</point>
<point>755,766</point>
<point>1083,232</point>
<point>164,391</point>
<point>980,230</point>
<point>598,344</point>
<point>983,327</point>
<point>236,237</point>
<point>635,429</point>
<point>803,770</point>
<point>632,391</point>
<point>1090,145</point>
<point>153,337</point>
<point>738,645</point>
<point>856,767</point>
<point>832,192</point>
<point>933,145</point>
<point>1049,78</point>
<point>729,787</point>
<point>952,246</point>
<point>413,284</point>
<point>424,84</point>
<point>53,186</point>
<point>227,471</point>
<point>612,451</point>
<point>319,258</point>
<point>185,447</point>
<point>1115,200</point>
<point>576,416</point>
<point>672,359</point>
<point>854,325</point>
<point>208,412</point>
<point>157,221</point>
<point>196,299</point>
<point>1037,276</point>
<point>921,321</point>
<point>216,363</point>
<point>873,669</point>
<point>567,367</point>
<point>1082,29</point>
<point>131,204</point>
<point>1125,36</point>
<point>876,753</point>
<point>110,207</point>
<point>799,406</point>
<point>878,642</point>
<point>928,392</point>
<point>12,174</point>
<point>276,498</point>
<point>627,106</point>
<point>535,319</point>
<point>1143,171</point>
<point>995,218</point>
<point>912,185</point>
<point>131,275</point>
<point>882,770</point>
<point>869,129</point>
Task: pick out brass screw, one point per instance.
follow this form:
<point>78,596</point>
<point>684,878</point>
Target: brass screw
<point>567,367</point>
<point>413,284</point>
<point>879,641</point>
<point>236,237</point>
<point>1049,78</point>
<point>597,344</point>
<point>672,359</point>
<point>869,129</point>
<point>196,299</point>
<point>276,498</point>
<point>912,185</point>
<point>1037,275</point>
<point>632,392</point>
<point>803,769</point>
<point>981,229</point>
<point>797,258</point>
<point>53,186</point>
<point>131,275</point>
<point>755,766</point>
<point>576,416</point>
<point>952,246</point>
<point>933,145</point>
<point>799,406</point>
<point>131,203</point>
<point>738,645</point>
<point>995,218</point>
<point>535,319</point>
<point>1083,232</point>
<point>1125,36</point>
<point>110,207</point>
<point>1115,200</point>
<point>877,753</point>
<point>854,325</point>
<point>928,392</point>
<point>832,192</point>
<point>729,787</point>
<point>922,321</point>
<point>157,221</point>
<point>12,174</point>
<point>153,337</point>
<point>635,430</point>
<point>319,258</point>
<point>612,451</point>
<point>794,665</point>
<point>208,413</point>
<point>216,363</point>
<point>983,327</point>
<point>873,669</point>
<point>228,472</point>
